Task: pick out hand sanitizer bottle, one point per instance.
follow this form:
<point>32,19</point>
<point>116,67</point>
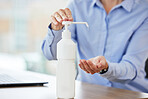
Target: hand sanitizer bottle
<point>66,72</point>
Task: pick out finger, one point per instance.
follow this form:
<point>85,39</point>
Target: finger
<point>99,66</point>
<point>58,17</point>
<point>81,66</point>
<point>97,59</point>
<point>54,21</point>
<point>103,62</point>
<point>91,59</point>
<point>92,66</point>
<point>87,67</point>
<point>68,13</point>
<point>92,70</point>
<point>63,14</point>
<point>105,66</point>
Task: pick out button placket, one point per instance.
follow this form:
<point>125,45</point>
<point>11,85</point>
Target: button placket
<point>105,32</point>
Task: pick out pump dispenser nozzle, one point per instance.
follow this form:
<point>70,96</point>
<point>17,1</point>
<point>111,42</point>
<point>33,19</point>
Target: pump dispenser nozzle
<point>67,23</point>
<point>66,33</point>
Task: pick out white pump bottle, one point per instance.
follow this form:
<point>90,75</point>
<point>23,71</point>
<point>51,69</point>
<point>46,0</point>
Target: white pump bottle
<point>66,72</point>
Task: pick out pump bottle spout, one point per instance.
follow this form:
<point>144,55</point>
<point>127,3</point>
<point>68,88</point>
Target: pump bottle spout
<point>67,23</point>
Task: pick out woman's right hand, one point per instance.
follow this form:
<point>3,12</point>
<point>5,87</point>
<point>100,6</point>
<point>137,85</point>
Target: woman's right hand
<point>58,17</point>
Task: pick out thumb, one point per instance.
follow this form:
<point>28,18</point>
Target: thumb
<point>102,61</point>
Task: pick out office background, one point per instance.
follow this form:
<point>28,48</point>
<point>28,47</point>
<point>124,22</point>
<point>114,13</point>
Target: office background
<point>23,25</point>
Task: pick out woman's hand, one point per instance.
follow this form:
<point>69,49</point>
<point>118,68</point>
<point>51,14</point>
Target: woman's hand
<point>94,65</point>
<point>58,17</point>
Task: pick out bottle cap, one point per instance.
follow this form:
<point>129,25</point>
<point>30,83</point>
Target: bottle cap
<point>66,33</point>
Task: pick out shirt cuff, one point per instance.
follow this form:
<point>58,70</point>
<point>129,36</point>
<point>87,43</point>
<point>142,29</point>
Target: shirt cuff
<point>108,74</point>
<point>56,34</point>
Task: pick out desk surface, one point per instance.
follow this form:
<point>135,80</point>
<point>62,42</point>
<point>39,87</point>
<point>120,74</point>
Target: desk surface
<point>83,91</point>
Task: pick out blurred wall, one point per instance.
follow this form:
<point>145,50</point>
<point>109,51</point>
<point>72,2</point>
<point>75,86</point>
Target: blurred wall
<point>23,23</point>
<point>23,26</point>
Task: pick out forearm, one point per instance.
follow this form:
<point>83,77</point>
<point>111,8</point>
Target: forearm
<point>132,63</point>
<point>127,70</point>
<point>120,72</point>
<point>50,42</point>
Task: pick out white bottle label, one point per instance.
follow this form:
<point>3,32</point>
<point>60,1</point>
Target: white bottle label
<point>66,74</point>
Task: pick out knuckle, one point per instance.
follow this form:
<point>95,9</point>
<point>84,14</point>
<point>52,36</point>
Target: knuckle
<point>63,15</point>
<point>88,61</point>
<point>83,61</point>
<point>56,13</point>
<point>99,57</point>
<point>102,57</point>
<point>51,16</point>
<point>69,15</point>
<point>60,10</point>
<point>86,68</point>
<point>67,9</point>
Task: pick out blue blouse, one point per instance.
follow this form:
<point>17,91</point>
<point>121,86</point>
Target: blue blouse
<point>121,36</point>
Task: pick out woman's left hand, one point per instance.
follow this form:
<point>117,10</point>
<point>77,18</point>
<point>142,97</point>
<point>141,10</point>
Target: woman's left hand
<point>94,65</point>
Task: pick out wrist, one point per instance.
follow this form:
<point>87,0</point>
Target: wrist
<point>103,71</point>
<point>56,27</point>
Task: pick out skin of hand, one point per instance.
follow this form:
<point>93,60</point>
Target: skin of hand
<point>58,17</point>
<point>94,65</point>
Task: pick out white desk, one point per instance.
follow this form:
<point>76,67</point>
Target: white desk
<point>83,91</point>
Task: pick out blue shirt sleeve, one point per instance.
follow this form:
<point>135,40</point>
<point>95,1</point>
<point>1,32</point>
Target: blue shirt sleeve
<point>133,60</point>
<point>49,45</point>
<point>50,42</point>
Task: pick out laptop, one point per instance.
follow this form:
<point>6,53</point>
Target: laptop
<point>10,78</point>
